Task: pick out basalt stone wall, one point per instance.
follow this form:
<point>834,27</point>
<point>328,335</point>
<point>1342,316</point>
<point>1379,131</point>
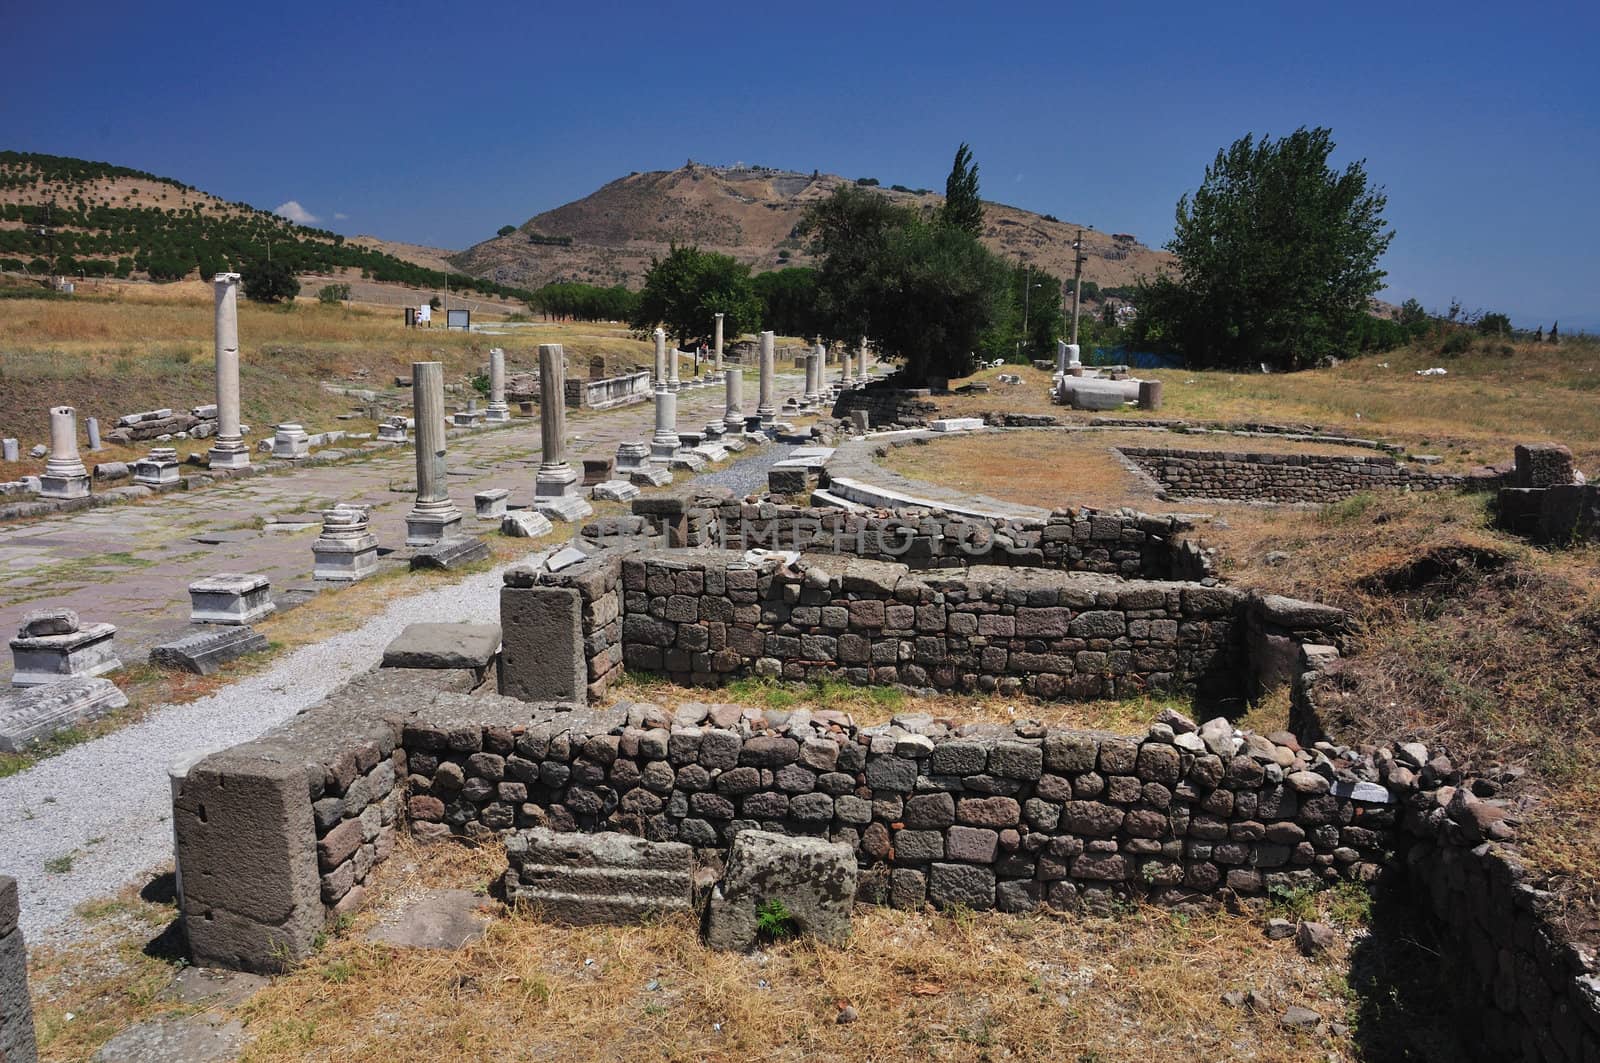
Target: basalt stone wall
<point>887,405</point>
<point>17,1043</point>
<point>1524,987</point>
<point>981,816</point>
<point>277,834</point>
<point>1557,515</point>
<point>1313,478</point>
<point>1124,543</point>
<point>707,616</point>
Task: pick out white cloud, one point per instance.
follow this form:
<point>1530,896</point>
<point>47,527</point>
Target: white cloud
<point>295,213</point>
<point>337,216</point>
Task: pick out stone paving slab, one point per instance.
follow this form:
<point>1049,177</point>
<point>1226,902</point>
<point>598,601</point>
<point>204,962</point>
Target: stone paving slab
<point>131,565</point>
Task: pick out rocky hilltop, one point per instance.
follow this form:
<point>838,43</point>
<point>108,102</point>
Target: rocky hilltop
<point>608,237</point>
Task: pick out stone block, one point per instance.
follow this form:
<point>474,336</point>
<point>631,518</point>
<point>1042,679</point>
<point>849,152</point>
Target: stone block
<point>246,852</point>
<point>956,424</point>
<point>542,656</point>
<point>614,491</point>
<point>814,881</point>
<point>585,879</point>
<point>230,598</point>
<point>598,470</point>
<point>17,1042</point>
<point>450,553</point>
<point>471,646</point>
<point>84,653</point>
<point>967,885</point>
<point>204,652</point>
<point>525,524</point>
<point>35,713</point>
<point>491,504</point>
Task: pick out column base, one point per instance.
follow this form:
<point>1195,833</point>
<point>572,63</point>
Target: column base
<point>494,416</point>
<point>424,528</point>
<point>63,487</point>
<point>664,449</point>
<point>555,482</point>
<point>229,458</point>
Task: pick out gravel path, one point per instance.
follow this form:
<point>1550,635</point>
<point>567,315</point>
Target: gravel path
<point>82,824</point>
<point>748,475</point>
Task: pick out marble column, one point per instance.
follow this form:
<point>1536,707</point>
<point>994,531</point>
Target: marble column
<point>661,358</point>
<point>64,474</point>
<point>556,493</point>
<point>718,365</point>
<point>434,516</point>
<point>672,368</point>
<point>733,412</point>
<point>665,443</point>
<point>765,407</point>
<point>861,363</point>
<point>229,450</point>
<point>499,409</point>
<point>846,374</point>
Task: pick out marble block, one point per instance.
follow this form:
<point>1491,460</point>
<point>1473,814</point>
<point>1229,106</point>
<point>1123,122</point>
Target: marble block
<point>38,712</point>
<point>230,598</point>
<point>86,652</point>
<point>491,504</point>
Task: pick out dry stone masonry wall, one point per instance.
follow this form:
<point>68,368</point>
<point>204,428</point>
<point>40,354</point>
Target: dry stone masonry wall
<point>1313,478</point>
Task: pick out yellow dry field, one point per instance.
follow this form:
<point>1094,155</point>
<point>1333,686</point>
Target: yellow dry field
<point>1492,397</point>
<point>1055,469</point>
<point>1134,985</point>
<point>122,348</point>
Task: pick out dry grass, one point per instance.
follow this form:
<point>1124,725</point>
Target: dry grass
<point>1057,469</point>
<point>1493,396</point>
<point>139,347</point>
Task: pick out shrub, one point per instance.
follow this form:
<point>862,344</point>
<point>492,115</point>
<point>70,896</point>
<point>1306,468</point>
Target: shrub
<point>1459,341</point>
<point>333,294</point>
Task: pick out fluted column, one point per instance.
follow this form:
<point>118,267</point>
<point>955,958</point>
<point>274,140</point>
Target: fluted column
<point>228,451</point>
<point>718,366</point>
<point>499,409</point>
<point>434,516</point>
<point>765,408</point>
<point>733,411</point>
<point>64,474</point>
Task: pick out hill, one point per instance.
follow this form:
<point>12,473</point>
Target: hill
<point>608,237</point>
<point>76,218</point>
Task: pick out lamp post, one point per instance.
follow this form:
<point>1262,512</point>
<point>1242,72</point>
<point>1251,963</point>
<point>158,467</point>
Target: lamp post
<point>1077,282</point>
<point>1027,297</point>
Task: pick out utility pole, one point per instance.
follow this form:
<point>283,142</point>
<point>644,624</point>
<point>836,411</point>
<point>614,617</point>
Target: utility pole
<point>1027,293</point>
<point>1077,282</point>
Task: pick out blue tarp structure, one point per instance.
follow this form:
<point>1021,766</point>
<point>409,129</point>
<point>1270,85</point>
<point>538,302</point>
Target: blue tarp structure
<point>1133,359</point>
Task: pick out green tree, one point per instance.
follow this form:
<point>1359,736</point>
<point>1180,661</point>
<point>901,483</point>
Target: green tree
<point>505,230</point>
<point>269,282</point>
<point>684,291</point>
<point>333,294</point>
<point>789,301</point>
<point>930,295</point>
<point>1494,325</point>
<point>1277,257</point>
<point>962,208</point>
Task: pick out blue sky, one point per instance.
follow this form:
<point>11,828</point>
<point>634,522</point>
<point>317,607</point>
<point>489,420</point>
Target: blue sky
<point>439,123</point>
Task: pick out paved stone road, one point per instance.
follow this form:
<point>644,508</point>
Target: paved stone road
<point>131,565</point>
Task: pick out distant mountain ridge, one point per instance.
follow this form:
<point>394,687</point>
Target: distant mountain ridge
<point>751,213</point>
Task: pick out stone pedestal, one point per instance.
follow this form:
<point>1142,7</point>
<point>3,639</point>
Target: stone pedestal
<point>83,653</point>
<point>229,450</point>
<point>491,504</point>
<point>556,493</point>
<point>64,474</point>
<point>665,442</point>
<point>230,598</point>
<point>766,408</point>
<point>158,467</point>
<point>635,465</point>
<point>434,516</point>
<point>393,430</point>
<point>10,449</point>
<point>346,550</point>
<point>290,442</point>
<point>499,410</point>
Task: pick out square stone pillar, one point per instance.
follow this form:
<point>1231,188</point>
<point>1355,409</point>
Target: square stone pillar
<point>555,491</point>
<point>229,450</point>
<point>434,516</point>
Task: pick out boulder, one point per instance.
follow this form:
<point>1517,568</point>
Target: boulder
<point>809,881</point>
